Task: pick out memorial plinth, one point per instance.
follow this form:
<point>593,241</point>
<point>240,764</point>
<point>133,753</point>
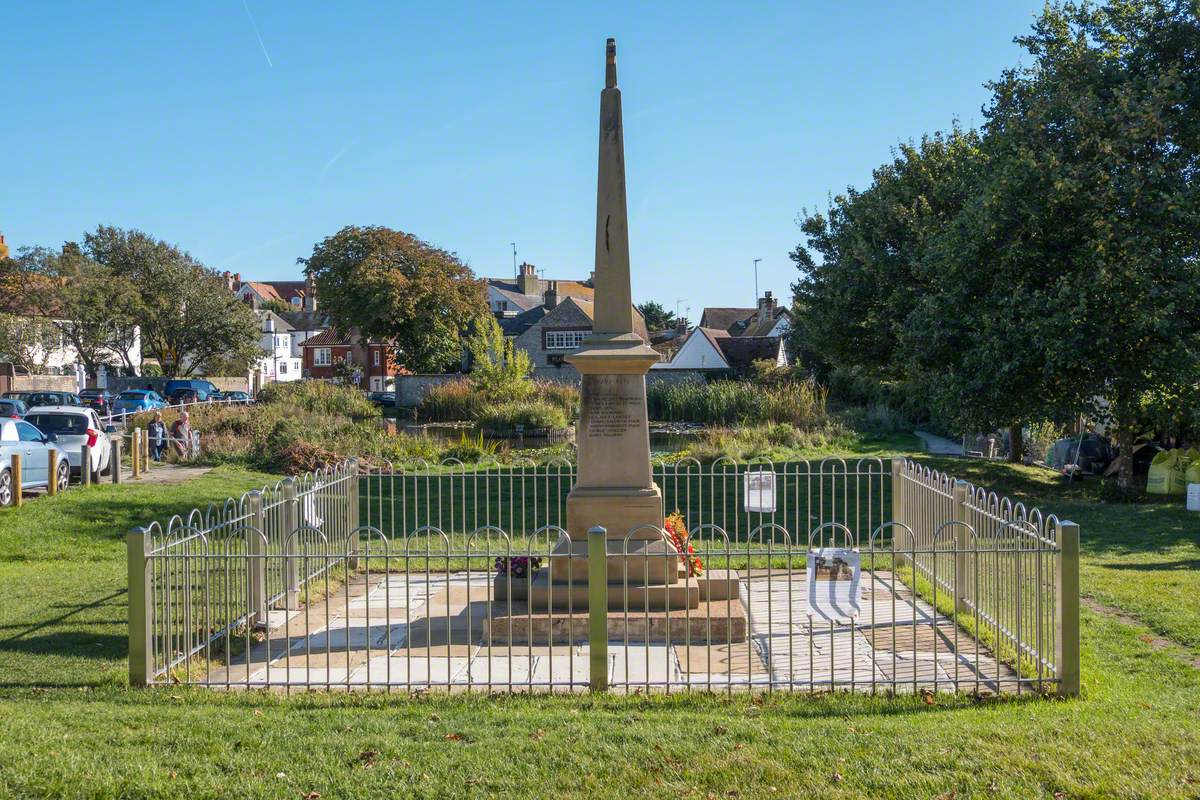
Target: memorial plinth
<point>614,487</point>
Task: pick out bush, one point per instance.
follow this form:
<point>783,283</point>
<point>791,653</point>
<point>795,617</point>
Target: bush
<point>533,415</point>
<point>319,397</point>
<point>802,403</point>
<point>462,400</point>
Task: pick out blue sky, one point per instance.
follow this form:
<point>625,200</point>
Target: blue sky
<point>248,131</point>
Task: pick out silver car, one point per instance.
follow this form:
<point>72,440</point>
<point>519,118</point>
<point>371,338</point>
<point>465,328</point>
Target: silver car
<point>74,426</point>
<point>18,437</point>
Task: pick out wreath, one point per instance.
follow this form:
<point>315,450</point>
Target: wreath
<point>676,528</point>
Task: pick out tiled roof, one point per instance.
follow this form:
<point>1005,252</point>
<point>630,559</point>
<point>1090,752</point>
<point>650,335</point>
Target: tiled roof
<point>282,291</point>
<point>326,338</point>
<point>723,318</point>
<point>742,351</point>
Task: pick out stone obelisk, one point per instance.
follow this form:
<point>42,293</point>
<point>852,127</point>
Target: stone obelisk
<point>614,487</point>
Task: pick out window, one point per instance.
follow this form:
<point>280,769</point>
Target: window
<point>564,340</point>
<point>283,368</point>
<point>295,301</point>
<point>62,424</point>
<point>28,433</point>
<point>377,358</point>
<point>321,357</point>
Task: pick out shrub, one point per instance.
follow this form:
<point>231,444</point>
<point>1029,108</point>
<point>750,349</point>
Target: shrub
<point>319,397</point>
<point>801,403</point>
<point>452,401</point>
<point>533,415</point>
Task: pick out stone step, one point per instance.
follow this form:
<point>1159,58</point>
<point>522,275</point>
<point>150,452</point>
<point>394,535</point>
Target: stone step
<point>638,561</point>
<point>545,594</point>
<point>716,623</point>
<point>715,584</point>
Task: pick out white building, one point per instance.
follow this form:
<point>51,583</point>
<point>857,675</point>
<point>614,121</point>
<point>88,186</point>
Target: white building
<point>279,363</point>
<point>48,351</point>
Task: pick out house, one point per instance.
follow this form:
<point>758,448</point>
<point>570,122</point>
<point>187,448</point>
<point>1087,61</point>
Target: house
<point>371,363</point>
<point>768,319</point>
<point>279,363</point>
<point>731,339</point>
<point>715,350</point>
<point>560,327</point>
<point>297,294</point>
<point>508,298</point>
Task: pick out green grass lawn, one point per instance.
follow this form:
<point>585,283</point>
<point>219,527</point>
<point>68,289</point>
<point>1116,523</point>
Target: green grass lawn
<point>69,726</point>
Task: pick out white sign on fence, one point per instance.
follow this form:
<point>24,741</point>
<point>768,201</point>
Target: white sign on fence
<point>311,517</point>
<point>833,584</point>
<point>760,491</point>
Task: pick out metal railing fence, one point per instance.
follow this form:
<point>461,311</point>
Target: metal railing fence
<point>467,579</point>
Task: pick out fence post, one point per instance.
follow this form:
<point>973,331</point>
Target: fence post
<point>146,460</point>
<point>352,510</point>
<point>52,465</point>
<point>962,547</point>
<point>141,607</point>
<point>290,521</point>
<point>85,466</point>
<point>1066,586</point>
<point>598,608</point>
<point>15,472</point>
<point>135,451</point>
<point>256,552</point>
<point>114,459</point>
<point>897,504</point>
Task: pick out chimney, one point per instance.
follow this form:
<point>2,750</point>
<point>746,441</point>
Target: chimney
<point>310,294</point>
<point>551,299</point>
<point>527,280</point>
<point>268,324</point>
<point>766,308</point>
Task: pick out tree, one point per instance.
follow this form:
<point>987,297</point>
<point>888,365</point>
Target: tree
<point>498,369</point>
<point>1091,207</point>
<point>392,286</point>
<point>91,308</point>
<point>656,316</point>
<point>190,322</point>
<point>26,341</point>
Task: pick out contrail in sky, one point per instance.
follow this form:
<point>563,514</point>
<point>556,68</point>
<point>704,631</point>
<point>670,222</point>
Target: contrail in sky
<point>254,25</point>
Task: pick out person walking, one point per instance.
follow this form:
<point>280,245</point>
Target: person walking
<point>157,431</point>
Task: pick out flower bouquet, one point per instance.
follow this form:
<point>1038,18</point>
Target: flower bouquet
<point>676,528</point>
<point>517,566</point>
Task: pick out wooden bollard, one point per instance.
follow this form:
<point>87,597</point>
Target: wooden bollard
<point>16,480</point>
<point>147,461</point>
<point>85,466</point>
<point>114,459</point>
<point>135,452</point>
<point>52,464</point>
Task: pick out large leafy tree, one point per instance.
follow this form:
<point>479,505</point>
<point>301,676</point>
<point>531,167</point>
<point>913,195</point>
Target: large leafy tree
<point>390,285</point>
<point>190,323</point>
<point>1090,212</point>
<point>92,309</point>
<point>873,247</point>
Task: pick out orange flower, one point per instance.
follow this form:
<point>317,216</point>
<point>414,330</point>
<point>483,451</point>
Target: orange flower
<point>676,528</point>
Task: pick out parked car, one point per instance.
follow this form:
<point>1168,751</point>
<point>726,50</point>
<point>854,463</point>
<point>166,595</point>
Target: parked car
<point>236,398</point>
<point>74,427</point>
<point>32,399</point>
<point>13,408</point>
<point>131,401</point>
<point>183,396</point>
<point>98,399</point>
<point>204,389</point>
<point>18,437</point>
<point>383,399</point>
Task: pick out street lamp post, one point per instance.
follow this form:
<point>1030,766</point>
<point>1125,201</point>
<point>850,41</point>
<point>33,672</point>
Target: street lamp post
<point>756,279</point>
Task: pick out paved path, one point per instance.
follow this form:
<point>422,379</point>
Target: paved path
<point>418,631</point>
<point>939,445</point>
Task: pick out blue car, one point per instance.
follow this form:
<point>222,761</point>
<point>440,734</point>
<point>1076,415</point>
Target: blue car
<point>131,401</point>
